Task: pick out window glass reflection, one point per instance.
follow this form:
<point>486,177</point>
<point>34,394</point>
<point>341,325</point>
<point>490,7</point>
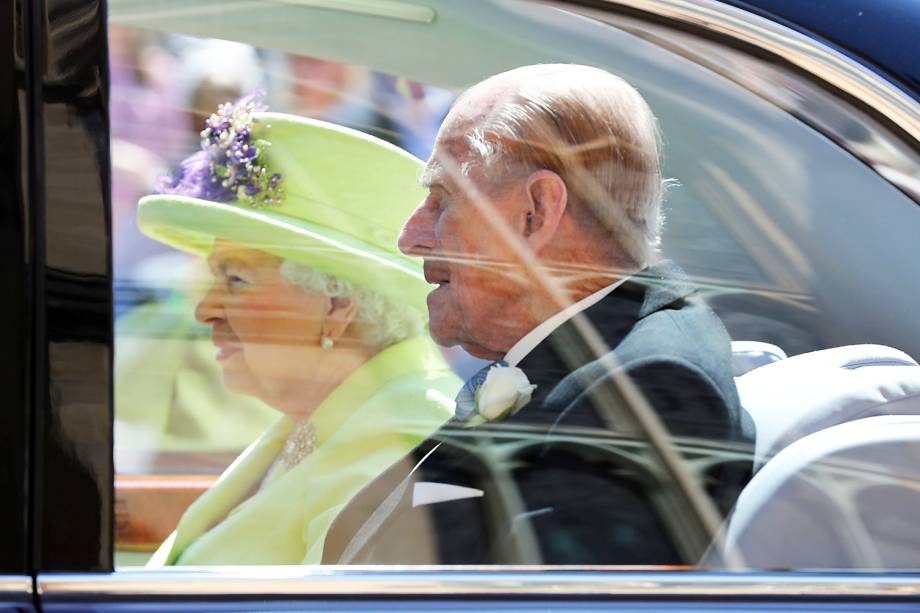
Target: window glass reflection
<point>342,342</point>
<point>363,319</point>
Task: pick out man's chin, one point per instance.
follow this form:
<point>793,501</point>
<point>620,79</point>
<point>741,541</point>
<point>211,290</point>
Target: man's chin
<point>440,327</point>
<point>446,333</point>
<point>447,338</point>
<point>440,336</point>
<point>483,353</point>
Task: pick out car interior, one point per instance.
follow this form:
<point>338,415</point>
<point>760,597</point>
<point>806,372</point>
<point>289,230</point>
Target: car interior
<point>806,254</point>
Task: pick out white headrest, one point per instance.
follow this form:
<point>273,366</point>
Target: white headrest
<point>748,355</point>
<point>794,397</point>
<point>836,499</point>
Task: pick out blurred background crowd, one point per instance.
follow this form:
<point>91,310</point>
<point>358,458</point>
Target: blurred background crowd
<point>164,86</point>
<point>173,415</point>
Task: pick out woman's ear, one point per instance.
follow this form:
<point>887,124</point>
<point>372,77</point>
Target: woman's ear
<point>341,313</point>
<point>548,198</point>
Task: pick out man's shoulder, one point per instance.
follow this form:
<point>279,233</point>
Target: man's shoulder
<point>687,331</point>
<point>657,313</point>
<point>676,352</point>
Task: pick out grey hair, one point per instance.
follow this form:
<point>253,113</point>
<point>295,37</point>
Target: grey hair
<point>384,321</point>
<point>595,131</point>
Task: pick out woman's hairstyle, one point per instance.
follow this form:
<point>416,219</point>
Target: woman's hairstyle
<point>383,321</point>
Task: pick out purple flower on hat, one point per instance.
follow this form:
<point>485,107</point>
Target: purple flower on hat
<point>230,165</point>
<point>194,178</point>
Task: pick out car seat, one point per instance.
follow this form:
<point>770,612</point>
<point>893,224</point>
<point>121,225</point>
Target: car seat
<point>837,461</point>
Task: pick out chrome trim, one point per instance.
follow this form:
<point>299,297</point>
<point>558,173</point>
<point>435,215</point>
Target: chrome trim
<point>826,63</point>
<point>887,108</point>
<point>389,9</point>
<point>12,585</point>
<point>441,581</point>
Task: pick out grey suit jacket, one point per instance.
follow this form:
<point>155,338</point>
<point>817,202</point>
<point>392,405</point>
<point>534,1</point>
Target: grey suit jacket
<point>568,479</point>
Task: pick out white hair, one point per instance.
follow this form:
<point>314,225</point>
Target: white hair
<point>595,131</point>
<point>384,321</point>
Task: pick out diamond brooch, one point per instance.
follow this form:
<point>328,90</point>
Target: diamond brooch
<point>299,444</point>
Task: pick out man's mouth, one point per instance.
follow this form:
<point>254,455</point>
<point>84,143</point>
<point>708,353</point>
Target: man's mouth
<point>436,275</point>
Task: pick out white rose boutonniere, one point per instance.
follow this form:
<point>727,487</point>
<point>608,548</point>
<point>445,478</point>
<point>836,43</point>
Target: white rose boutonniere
<point>504,392</point>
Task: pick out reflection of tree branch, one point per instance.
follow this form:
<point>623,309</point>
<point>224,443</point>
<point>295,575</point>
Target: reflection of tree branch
<point>622,400</point>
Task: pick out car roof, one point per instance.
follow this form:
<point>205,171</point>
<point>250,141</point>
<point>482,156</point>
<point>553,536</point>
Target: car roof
<point>881,34</point>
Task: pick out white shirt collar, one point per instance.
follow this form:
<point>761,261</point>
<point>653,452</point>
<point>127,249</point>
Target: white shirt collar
<point>539,334</point>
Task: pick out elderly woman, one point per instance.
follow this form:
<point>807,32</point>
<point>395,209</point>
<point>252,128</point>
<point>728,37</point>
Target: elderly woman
<point>311,310</point>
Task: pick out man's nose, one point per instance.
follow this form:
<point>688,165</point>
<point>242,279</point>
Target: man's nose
<point>417,236</point>
<point>210,307</point>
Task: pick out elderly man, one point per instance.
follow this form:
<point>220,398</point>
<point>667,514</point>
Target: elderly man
<point>539,231</point>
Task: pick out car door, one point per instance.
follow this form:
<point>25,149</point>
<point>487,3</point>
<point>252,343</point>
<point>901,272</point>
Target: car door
<point>784,148</point>
<point>60,336</point>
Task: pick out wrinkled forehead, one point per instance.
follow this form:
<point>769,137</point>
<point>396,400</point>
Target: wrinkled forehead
<point>224,251</point>
<point>472,110</point>
<point>448,159</point>
<point>474,107</point>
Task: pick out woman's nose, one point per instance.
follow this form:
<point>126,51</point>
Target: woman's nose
<point>210,307</point>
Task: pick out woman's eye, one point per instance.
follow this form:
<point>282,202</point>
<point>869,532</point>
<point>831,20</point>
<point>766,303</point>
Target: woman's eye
<point>236,281</point>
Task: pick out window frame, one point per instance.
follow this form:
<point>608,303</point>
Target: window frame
<point>18,182</point>
<point>71,353</point>
<point>72,469</point>
<point>285,583</point>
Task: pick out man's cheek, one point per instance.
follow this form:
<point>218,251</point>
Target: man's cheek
<point>491,282</point>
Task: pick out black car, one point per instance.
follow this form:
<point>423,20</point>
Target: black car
<point>792,133</point>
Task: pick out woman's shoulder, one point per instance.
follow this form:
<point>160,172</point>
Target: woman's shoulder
<point>417,401</point>
<point>415,366</point>
<point>430,384</point>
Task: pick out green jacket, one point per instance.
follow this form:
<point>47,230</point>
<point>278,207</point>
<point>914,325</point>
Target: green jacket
<point>381,412</point>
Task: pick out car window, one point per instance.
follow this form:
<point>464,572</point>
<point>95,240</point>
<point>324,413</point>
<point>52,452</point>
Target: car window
<point>280,397</point>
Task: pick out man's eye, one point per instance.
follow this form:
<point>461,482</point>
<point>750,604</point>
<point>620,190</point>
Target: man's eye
<point>439,200</point>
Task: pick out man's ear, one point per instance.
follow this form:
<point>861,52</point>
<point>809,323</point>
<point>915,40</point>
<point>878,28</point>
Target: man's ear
<point>341,313</point>
<point>548,198</point>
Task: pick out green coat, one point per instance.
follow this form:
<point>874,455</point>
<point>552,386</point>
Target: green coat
<point>378,414</point>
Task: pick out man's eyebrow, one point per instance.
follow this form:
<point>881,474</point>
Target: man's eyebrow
<point>432,174</point>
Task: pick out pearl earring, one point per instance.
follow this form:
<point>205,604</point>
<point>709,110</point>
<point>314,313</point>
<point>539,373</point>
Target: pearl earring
<point>325,342</point>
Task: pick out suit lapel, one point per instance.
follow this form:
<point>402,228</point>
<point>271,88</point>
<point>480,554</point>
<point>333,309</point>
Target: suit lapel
<point>372,506</point>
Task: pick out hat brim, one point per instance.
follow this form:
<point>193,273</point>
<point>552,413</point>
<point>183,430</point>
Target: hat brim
<point>192,225</point>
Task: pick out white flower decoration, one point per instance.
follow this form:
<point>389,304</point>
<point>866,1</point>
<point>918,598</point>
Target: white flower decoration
<point>504,392</point>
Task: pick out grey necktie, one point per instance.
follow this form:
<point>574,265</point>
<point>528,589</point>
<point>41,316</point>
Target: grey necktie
<point>466,397</point>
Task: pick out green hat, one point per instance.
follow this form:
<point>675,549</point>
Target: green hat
<point>339,205</point>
